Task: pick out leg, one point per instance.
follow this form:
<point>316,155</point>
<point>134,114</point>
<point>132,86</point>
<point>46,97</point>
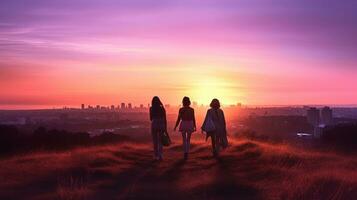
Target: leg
<point>184,145</point>
<point>214,143</point>
<point>159,135</point>
<point>184,141</point>
<point>155,142</point>
<point>188,142</point>
<point>218,143</point>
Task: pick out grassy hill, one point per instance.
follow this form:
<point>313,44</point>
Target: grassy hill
<point>246,170</point>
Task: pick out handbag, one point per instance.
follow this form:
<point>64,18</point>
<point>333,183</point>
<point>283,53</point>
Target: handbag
<point>165,139</point>
<point>208,125</point>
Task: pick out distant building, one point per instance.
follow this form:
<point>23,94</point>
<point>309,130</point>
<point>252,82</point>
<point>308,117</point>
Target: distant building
<point>194,104</point>
<point>141,106</point>
<point>112,107</point>
<point>319,130</point>
<point>130,106</point>
<point>122,105</point>
<point>82,107</point>
<point>313,116</point>
<point>98,107</point>
<point>326,116</point>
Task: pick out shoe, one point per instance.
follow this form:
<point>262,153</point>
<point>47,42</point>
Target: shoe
<point>185,156</point>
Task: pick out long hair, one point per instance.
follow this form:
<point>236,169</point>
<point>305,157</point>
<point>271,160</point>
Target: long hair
<point>156,103</point>
<point>215,104</point>
<point>186,102</point>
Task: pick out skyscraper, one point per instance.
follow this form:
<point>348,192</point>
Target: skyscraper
<point>82,106</point>
<point>313,116</point>
<point>122,106</point>
<point>326,116</point>
<point>130,106</point>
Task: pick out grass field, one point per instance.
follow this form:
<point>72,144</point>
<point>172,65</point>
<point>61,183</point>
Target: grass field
<point>246,170</point>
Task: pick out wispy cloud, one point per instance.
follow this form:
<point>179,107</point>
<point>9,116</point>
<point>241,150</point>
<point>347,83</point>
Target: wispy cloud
<point>274,38</point>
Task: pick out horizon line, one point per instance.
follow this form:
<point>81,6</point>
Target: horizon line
<point>57,107</point>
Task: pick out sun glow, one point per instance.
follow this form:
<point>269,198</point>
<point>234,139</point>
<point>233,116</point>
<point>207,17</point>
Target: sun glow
<point>207,88</point>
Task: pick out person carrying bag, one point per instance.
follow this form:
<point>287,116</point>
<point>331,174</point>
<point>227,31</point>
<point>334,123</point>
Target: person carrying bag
<point>215,127</point>
<point>165,139</point>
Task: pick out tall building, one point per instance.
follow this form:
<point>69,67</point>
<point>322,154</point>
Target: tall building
<point>98,107</point>
<point>326,116</point>
<point>112,107</point>
<point>313,116</point>
<point>130,106</point>
<point>122,106</point>
<point>82,106</point>
<point>141,106</point>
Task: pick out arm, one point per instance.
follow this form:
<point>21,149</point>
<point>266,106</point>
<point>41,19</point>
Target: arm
<point>224,121</point>
<point>204,122</point>
<point>194,120</point>
<point>165,121</point>
<point>178,120</point>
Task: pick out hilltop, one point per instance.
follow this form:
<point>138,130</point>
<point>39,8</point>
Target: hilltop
<point>246,170</point>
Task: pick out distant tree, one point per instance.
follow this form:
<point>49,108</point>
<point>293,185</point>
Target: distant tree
<point>13,141</point>
<point>343,137</point>
<point>9,136</point>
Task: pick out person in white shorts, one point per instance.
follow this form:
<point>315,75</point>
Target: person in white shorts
<point>188,124</point>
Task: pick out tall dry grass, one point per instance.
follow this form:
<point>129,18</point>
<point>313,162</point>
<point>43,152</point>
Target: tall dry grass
<point>247,170</point>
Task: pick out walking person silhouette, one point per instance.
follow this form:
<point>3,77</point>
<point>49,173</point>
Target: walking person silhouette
<point>215,127</point>
<point>158,125</point>
<point>186,116</point>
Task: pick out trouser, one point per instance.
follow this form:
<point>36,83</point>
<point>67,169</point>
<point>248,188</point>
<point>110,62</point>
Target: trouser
<point>186,137</point>
<point>156,138</point>
<point>215,141</point>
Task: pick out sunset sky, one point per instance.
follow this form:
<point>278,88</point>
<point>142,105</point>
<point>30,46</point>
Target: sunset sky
<point>258,52</point>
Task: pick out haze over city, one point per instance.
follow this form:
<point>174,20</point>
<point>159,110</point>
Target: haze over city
<point>55,53</point>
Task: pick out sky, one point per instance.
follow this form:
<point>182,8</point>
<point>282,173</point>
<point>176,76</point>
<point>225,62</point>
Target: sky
<point>257,52</point>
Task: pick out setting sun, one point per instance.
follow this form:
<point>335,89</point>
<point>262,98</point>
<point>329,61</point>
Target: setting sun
<point>206,88</point>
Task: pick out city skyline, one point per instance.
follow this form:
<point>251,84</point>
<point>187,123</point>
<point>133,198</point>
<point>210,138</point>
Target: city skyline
<point>255,52</point>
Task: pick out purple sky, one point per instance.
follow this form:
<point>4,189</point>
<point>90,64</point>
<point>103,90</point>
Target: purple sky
<point>256,52</point>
